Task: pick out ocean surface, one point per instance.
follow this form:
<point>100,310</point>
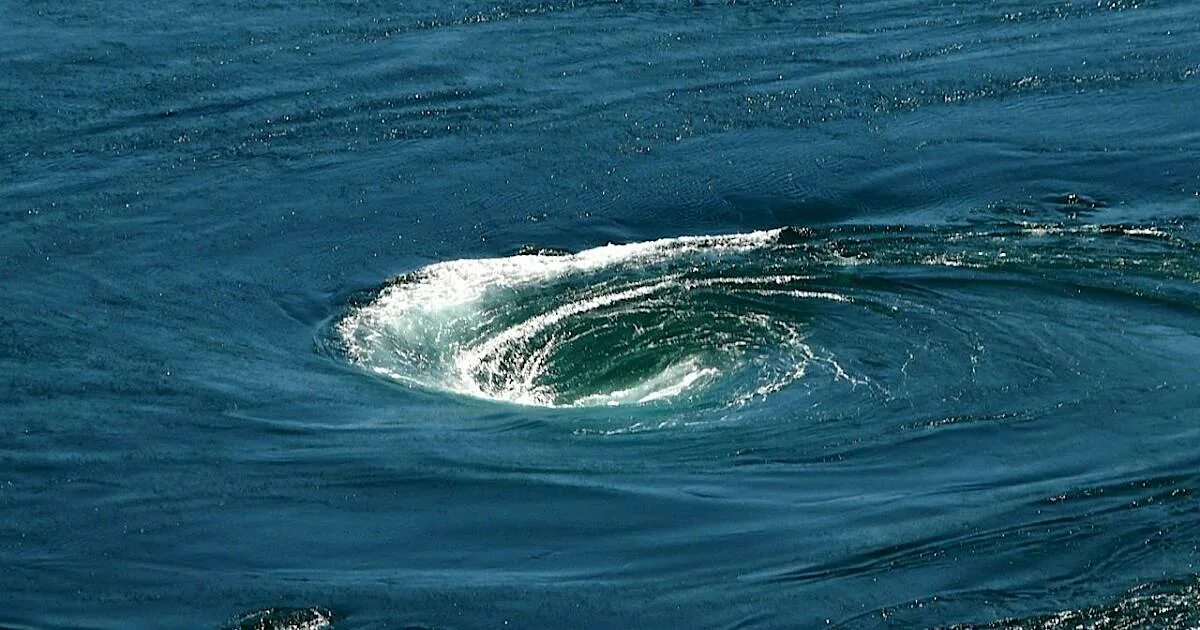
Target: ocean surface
<point>656,314</point>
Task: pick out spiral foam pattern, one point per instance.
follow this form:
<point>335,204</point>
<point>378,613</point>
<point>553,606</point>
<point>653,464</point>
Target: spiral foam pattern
<point>725,320</point>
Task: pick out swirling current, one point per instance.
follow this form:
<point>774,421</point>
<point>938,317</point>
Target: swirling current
<point>708,322</point>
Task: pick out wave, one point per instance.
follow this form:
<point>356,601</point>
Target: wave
<point>714,321</point>
<point>315,618</point>
<point>1169,604</point>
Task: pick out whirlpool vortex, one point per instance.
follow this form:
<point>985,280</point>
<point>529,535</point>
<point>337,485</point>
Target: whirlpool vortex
<point>725,320</point>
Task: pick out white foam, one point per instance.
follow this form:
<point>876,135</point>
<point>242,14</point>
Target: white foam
<point>436,330</point>
<point>669,383</point>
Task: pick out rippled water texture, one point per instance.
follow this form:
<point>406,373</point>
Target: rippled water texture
<point>641,314</point>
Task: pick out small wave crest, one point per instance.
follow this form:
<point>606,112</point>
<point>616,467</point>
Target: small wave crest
<point>1162,605</point>
<point>315,618</point>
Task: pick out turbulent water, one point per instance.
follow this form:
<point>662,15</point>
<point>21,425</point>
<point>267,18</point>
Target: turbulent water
<point>600,314</point>
<point>723,321</point>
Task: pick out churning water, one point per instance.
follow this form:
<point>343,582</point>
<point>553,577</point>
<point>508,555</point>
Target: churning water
<point>715,322</point>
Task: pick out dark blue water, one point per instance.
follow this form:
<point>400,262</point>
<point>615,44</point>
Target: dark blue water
<point>243,381</point>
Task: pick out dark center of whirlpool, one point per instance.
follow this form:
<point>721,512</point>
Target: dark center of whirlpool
<point>717,321</point>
